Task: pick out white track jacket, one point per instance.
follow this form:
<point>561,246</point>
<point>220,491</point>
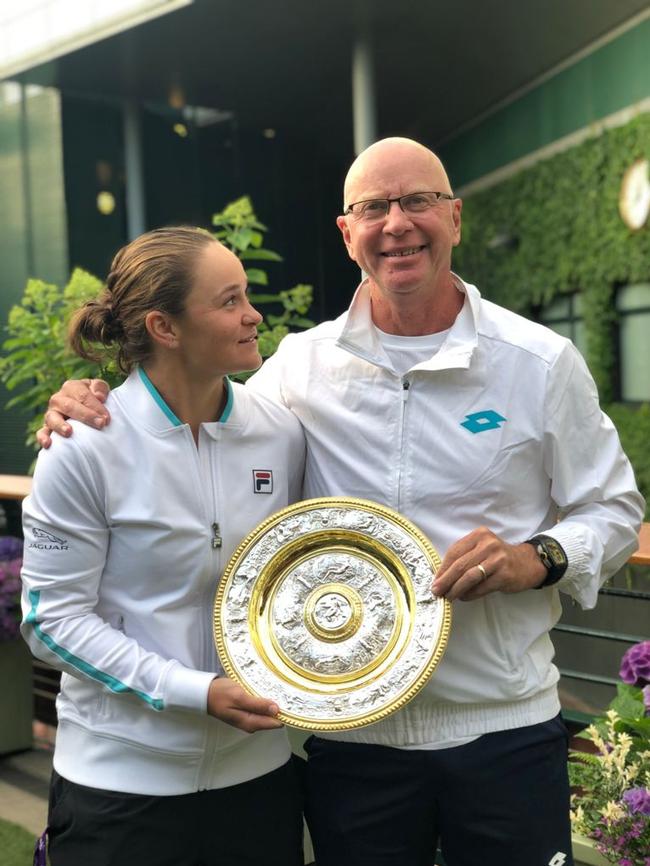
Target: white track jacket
<point>500,428</point>
<point>127,531</point>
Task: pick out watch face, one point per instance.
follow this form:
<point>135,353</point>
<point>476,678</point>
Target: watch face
<point>554,552</point>
<point>634,200</point>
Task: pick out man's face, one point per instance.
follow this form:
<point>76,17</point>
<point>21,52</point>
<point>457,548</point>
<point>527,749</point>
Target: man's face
<point>401,253</point>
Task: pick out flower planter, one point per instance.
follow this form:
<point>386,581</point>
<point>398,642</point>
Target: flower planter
<point>585,854</point>
<point>17,699</point>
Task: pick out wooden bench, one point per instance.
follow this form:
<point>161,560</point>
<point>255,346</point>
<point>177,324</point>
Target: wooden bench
<point>642,556</point>
<point>15,487</point>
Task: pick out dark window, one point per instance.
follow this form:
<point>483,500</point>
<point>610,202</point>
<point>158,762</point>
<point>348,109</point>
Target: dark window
<point>633,305</point>
<point>564,316</point>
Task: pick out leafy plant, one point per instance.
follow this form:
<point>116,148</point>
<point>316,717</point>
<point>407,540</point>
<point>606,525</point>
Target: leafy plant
<point>239,229</point>
<point>611,803</point>
<point>37,359</point>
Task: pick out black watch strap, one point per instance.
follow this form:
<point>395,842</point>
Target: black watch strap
<point>553,558</point>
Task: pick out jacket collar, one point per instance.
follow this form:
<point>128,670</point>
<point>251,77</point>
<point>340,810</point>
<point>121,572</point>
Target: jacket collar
<point>146,406</point>
<point>359,336</point>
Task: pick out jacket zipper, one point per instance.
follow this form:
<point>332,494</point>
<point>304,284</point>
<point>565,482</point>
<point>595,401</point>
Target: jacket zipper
<point>216,542</point>
<point>406,387</point>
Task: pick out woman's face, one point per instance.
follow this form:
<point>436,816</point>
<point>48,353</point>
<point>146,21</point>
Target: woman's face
<point>217,332</point>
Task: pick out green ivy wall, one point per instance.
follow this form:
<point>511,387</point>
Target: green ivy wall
<point>561,232</point>
<point>565,234</point>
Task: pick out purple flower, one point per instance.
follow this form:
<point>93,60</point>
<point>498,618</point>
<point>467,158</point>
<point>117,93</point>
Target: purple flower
<point>10,547</point>
<point>635,665</point>
<point>625,862</point>
<point>10,563</point>
<point>637,800</point>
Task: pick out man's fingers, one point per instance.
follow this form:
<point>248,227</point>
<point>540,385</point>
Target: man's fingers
<point>82,400</point>
<point>90,412</point>
<point>100,389</point>
<point>461,570</point>
<point>467,578</point>
<point>43,437</point>
<point>458,550</point>
<point>55,422</point>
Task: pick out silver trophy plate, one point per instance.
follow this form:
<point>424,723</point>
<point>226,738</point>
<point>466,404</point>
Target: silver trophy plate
<point>327,609</point>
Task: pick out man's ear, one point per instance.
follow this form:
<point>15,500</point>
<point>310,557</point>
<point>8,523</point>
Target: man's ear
<point>342,223</point>
<point>161,328</point>
<point>457,207</point>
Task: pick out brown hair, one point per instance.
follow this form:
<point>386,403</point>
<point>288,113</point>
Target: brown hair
<point>153,272</point>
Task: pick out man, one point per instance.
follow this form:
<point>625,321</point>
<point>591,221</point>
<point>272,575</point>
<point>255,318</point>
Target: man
<point>485,430</point>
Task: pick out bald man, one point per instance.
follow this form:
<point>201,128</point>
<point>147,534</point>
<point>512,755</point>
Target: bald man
<point>484,429</point>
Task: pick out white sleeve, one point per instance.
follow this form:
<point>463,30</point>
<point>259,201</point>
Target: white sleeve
<point>66,542</point>
<point>268,379</point>
<point>592,481</point>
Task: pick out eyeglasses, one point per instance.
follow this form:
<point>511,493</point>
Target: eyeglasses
<point>377,208</point>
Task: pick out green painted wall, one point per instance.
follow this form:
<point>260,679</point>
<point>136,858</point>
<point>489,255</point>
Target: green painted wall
<point>33,227</point>
<point>607,80</point>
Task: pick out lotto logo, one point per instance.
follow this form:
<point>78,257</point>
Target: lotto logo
<point>558,859</point>
<point>262,481</point>
<point>477,422</point>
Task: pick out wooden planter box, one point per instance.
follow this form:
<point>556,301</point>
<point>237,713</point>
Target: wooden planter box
<point>585,854</point>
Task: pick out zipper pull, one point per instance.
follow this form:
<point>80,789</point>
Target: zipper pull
<point>405,389</point>
<point>216,537</point>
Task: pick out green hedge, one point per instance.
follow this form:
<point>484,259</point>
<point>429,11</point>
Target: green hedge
<point>563,234</point>
<point>566,234</point>
<point>633,425</point>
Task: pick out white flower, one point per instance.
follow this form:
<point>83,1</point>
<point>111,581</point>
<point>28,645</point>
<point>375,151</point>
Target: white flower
<point>612,812</point>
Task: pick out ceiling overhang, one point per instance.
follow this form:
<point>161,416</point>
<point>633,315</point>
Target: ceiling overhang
<point>286,64</point>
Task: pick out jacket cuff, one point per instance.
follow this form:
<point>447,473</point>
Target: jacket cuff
<point>577,581</point>
<point>570,537</point>
<point>187,689</point>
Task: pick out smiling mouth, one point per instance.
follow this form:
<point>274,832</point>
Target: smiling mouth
<point>252,339</point>
<point>400,254</point>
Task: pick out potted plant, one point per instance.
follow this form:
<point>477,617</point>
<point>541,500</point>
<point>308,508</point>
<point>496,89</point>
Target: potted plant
<point>15,659</point>
<point>611,803</point>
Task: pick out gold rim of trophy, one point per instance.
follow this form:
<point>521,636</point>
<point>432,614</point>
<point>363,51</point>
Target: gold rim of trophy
<point>383,559</point>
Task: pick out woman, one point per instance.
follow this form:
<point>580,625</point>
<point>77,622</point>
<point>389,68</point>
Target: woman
<point>159,758</point>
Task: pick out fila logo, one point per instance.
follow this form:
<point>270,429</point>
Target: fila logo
<point>477,422</point>
<point>558,859</point>
<point>262,481</point>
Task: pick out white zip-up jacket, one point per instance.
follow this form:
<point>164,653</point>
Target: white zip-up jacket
<point>127,531</point>
<point>500,428</point>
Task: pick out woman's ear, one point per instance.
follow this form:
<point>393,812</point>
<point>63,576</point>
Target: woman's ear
<point>161,329</point>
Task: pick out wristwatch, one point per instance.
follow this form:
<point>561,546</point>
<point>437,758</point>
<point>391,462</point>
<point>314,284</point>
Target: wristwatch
<point>553,558</point>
